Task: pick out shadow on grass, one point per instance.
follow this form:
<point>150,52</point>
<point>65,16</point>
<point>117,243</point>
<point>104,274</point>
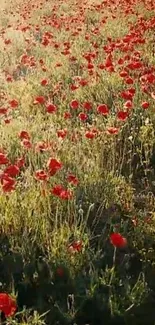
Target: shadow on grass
<point>40,287</point>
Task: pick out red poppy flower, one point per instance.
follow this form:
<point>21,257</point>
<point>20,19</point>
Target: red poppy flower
<point>73,87</point>
<point>90,66</point>
<point>42,146</point>
<point>134,65</point>
<point>67,115</point>
<point>12,170</point>
<point>66,194</point>
<point>129,81</point>
<point>27,144</point>
<point>3,159</point>
<point>7,121</point>
<point>118,240</point>
<point>58,65</point>
<point>108,62</point>
<point>72,179</point>
<point>51,108</point>
<point>57,189</point>
<point>128,104</point>
<point>7,305</point>
<point>90,135</point>
<point>53,166</point>
<point>123,74</point>
<point>41,175</point>
<point>44,82</point>
<point>39,100</point>
<point>44,69</point>
<point>120,61</point>
<point>24,135</point>
<point>132,91</point>
<point>13,103</point>
<point>112,130</point>
<point>145,105</point>
<point>87,106</point>
<point>24,59</point>
<point>122,115</point>
<point>7,41</point>
<point>76,246</point>
<point>126,95</point>
<point>83,82</point>
<point>151,78</point>
<point>41,61</point>
<point>3,110</point>
<point>82,116</point>
<point>20,162</point>
<point>103,109</point>
<point>9,79</point>
<point>74,104</point>
<point>45,41</point>
<point>8,183</point>
<point>145,88</point>
<point>101,66</point>
<point>62,133</point>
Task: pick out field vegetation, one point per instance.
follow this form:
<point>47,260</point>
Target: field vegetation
<point>77,162</point>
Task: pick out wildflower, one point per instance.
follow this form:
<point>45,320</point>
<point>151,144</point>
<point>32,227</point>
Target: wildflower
<point>53,166</point>
<point>118,240</point>
<point>13,103</point>
<point>44,82</point>
<point>7,305</point>
<point>90,135</point>
<point>8,183</point>
<point>3,159</point>
<point>12,170</point>
<point>42,146</point>
<point>7,41</point>
<point>9,78</point>
<point>122,115</point>
<point>74,104</point>
<point>66,194</point>
<point>75,247</point>
<point>62,133</point>
<point>56,190</point>
<point>87,105</point>
<point>129,81</point>
<point>145,105</point>
<point>128,104</point>
<point>39,100</point>
<point>123,73</point>
<point>103,109</point>
<point>24,135</point>
<point>51,108</point>
<point>112,130</point>
<point>41,175</point>
<point>73,87</point>
<point>72,179</point>
<point>27,144</point>
<point>3,110</point>
<point>67,115</point>
<point>82,116</point>
<point>20,162</point>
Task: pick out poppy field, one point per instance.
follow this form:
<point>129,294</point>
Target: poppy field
<point>77,162</point>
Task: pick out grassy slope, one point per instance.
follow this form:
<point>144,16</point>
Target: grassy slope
<point>115,171</point>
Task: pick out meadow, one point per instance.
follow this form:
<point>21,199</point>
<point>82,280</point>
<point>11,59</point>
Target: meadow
<point>77,162</point>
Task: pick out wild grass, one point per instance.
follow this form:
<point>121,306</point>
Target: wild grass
<point>115,192</point>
